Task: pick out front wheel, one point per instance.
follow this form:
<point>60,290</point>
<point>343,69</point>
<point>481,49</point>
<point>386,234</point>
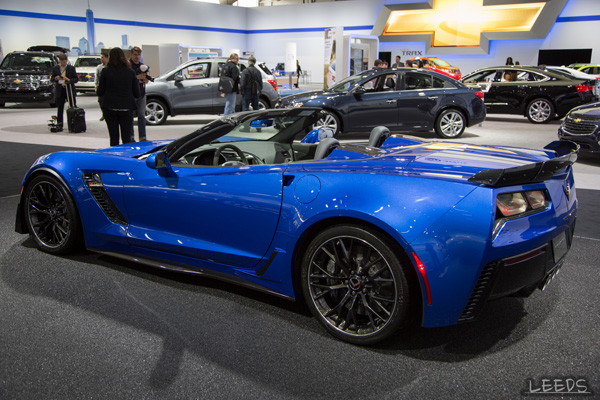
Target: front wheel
<point>156,112</point>
<point>52,216</point>
<point>540,111</point>
<point>328,121</point>
<point>354,284</point>
<point>450,124</point>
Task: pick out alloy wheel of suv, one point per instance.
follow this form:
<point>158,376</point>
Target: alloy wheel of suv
<point>156,112</point>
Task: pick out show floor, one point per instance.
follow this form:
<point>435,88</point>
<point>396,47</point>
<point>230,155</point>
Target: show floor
<point>91,326</point>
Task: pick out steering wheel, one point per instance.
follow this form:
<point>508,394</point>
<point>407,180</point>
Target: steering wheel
<point>239,152</point>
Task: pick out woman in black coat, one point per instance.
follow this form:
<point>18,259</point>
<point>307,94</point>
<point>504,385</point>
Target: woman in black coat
<point>120,87</point>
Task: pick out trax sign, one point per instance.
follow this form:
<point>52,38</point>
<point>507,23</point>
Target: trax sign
<point>466,26</point>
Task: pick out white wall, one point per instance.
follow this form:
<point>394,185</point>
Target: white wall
<point>19,33</point>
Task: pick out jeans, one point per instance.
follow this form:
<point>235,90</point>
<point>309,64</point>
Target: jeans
<point>230,99</point>
<point>248,100</point>
<point>141,119</point>
<point>114,121</point>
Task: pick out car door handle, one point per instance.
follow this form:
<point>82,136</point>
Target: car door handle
<point>432,97</point>
<point>390,101</point>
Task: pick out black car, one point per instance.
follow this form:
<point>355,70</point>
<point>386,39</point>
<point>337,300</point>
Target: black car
<point>402,99</point>
<point>582,126</point>
<point>26,77</point>
<point>538,94</point>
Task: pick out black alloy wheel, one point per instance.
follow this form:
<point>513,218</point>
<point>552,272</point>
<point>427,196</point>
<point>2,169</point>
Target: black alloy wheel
<point>156,112</point>
<point>540,111</point>
<point>450,124</point>
<point>51,216</point>
<point>355,285</point>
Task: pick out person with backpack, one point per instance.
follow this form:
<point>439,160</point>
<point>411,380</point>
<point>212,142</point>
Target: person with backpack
<point>231,70</point>
<point>250,85</point>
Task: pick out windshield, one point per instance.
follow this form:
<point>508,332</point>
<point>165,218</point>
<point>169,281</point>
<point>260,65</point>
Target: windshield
<point>87,62</point>
<point>26,61</point>
<point>439,62</point>
<point>349,82</point>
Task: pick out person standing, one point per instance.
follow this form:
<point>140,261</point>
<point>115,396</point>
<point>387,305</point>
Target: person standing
<point>298,72</point>
<point>140,103</point>
<point>231,70</point>
<point>397,64</point>
<point>250,85</point>
<point>119,87</point>
<point>509,61</point>
<point>103,62</point>
<point>63,75</point>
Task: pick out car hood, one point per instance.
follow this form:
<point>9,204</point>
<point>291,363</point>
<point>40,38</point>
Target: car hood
<point>305,96</point>
<point>85,69</point>
<point>587,111</point>
<point>26,71</point>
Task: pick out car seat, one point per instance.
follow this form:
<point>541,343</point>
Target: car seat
<point>325,147</point>
<point>378,135</point>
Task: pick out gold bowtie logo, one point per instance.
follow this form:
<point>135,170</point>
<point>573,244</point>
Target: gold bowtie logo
<point>459,23</point>
<point>18,81</point>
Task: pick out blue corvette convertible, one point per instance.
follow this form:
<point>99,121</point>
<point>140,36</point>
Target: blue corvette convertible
<point>364,233</point>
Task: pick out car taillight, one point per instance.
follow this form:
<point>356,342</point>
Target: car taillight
<point>511,204</point>
<point>584,88</point>
<point>273,83</point>
<point>479,94</point>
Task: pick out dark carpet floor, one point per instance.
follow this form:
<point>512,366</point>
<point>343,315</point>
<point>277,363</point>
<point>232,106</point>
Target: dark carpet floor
<point>91,326</point>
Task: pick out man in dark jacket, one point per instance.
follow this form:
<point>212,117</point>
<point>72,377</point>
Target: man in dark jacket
<point>63,74</point>
<point>251,85</point>
<point>143,78</point>
<point>231,70</point>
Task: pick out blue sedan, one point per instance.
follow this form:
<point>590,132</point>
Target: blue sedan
<point>367,234</point>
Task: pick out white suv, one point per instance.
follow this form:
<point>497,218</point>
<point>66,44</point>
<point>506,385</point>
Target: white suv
<point>86,72</point>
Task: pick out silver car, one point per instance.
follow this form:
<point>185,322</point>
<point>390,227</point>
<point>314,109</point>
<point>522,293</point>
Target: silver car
<point>191,88</point>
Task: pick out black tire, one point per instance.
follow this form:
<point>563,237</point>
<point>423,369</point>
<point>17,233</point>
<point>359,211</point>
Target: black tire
<point>330,121</point>
<point>51,216</point>
<point>357,301</point>
<point>450,124</point>
<point>540,111</point>
<point>262,104</point>
<point>156,112</point>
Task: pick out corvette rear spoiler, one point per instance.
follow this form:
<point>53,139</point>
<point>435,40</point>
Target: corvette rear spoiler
<point>566,155</point>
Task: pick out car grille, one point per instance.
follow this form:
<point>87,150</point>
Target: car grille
<point>23,83</point>
<point>83,77</point>
<point>579,127</point>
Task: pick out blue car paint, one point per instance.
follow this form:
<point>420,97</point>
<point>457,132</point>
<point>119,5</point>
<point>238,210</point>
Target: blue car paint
<point>245,222</point>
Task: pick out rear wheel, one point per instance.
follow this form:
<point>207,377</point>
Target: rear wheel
<point>354,284</point>
<point>156,112</point>
<point>450,124</point>
<point>540,111</point>
<point>51,216</point>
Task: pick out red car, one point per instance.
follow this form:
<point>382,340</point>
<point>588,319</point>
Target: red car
<point>438,65</point>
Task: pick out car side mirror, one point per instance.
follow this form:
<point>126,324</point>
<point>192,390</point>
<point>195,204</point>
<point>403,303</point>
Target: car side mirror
<point>178,78</point>
<point>359,90</point>
<point>160,162</point>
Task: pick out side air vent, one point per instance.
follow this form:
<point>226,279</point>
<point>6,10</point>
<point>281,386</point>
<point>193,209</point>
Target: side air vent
<point>480,293</point>
<point>96,188</point>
